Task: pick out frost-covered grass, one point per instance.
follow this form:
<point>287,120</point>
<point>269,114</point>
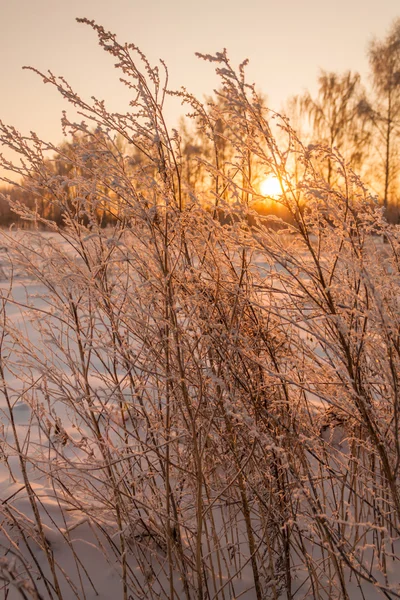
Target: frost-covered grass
<point>86,409</point>
<point>198,402</point>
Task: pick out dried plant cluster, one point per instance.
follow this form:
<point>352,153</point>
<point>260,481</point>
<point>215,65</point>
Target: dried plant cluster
<point>213,395</point>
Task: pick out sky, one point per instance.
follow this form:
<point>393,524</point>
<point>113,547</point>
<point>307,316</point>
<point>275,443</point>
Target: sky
<point>287,42</point>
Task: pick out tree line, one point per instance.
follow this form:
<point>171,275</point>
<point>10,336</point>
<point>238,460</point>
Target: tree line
<point>360,122</point>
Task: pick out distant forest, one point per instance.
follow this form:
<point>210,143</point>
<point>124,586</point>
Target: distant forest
<point>359,120</point>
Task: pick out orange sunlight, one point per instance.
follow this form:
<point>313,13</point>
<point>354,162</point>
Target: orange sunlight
<point>270,187</point>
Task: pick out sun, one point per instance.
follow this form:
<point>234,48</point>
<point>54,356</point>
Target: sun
<point>270,187</point>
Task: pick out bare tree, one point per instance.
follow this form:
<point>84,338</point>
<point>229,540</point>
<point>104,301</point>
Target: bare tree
<point>384,58</point>
<point>339,116</point>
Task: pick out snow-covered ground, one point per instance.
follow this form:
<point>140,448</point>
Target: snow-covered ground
<point>77,534</point>
<point>76,547</point>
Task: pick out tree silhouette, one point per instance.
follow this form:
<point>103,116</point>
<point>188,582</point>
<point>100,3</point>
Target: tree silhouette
<point>339,116</point>
<point>384,57</point>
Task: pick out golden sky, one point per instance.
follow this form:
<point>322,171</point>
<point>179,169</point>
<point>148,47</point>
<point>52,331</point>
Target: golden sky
<point>287,43</point>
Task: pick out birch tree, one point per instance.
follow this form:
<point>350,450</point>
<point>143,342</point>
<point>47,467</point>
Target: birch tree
<point>384,58</point>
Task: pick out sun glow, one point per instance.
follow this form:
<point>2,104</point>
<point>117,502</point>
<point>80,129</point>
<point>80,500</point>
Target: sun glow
<point>270,187</point>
